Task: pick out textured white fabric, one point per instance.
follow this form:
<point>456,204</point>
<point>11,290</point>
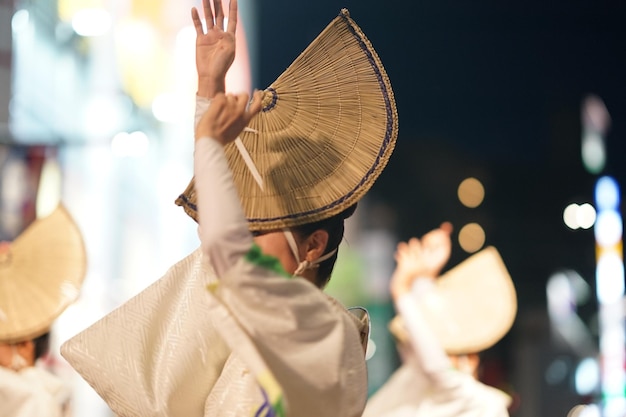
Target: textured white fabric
<point>426,385</point>
<point>310,344</point>
<point>426,350</point>
<point>406,395</point>
<point>235,393</point>
<point>159,354</point>
<point>32,392</point>
<point>402,392</point>
<point>222,229</point>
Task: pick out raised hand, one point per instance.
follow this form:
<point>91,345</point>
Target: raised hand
<point>215,49</point>
<point>420,259</point>
<point>436,248</point>
<point>228,115</point>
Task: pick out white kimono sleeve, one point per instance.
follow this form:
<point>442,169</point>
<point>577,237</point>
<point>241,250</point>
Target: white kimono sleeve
<point>31,392</point>
<point>311,348</point>
<point>452,392</point>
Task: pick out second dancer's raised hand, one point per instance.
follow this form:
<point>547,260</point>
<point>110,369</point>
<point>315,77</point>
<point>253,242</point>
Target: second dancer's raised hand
<point>435,250</point>
<point>228,115</point>
<point>420,259</point>
<point>215,48</point>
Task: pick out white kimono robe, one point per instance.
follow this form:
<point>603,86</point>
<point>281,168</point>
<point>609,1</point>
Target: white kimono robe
<point>32,392</point>
<point>259,343</point>
<point>427,385</point>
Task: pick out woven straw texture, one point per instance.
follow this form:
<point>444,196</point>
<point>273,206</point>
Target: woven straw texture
<point>472,306</point>
<point>326,132</point>
<point>40,275</point>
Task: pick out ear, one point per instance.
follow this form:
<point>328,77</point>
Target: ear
<point>315,245</point>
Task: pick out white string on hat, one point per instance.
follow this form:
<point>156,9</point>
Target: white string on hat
<point>248,159</point>
<point>305,264</point>
<point>302,265</point>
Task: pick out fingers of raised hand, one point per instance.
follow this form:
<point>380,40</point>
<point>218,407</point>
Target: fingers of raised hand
<point>256,104</point>
<point>232,17</point>
<point>401,248</point>
<point>405,254</point>
<point>197,23</point>
<point>208,14</point>
<point>414,247</point>
<point>215,20</point>
<point>241,101</point>
<point>446,227</point>
<point>219,14</point>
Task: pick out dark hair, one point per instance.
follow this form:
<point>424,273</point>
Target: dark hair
<point>334,226</point>
<point>42,345</point>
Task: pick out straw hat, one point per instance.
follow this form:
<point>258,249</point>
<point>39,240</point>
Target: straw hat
<point>40,275</point>
<point>471,307</point>
<point>327,129</point>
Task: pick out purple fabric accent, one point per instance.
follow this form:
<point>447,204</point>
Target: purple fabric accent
<point>274,100</point>
<point>265,408</point>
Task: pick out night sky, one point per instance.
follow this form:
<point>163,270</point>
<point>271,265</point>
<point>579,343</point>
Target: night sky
<point>489,89</point>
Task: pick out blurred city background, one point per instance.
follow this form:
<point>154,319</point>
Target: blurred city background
<point>512,127</point>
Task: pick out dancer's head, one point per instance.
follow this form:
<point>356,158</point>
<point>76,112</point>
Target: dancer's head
<point>43,270</point>
<point>317,244</point>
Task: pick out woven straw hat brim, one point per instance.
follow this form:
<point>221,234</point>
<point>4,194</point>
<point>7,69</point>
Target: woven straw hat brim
<point>40,276</point>
<point>472,306</point>
<point>327,130</point>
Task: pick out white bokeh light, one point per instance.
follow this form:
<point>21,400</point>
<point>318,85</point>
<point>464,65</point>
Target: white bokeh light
<point>585,216</point>
<point>608,229</point>
<point>581,216</point>
<point>569,216</point>
<point>91,22</point>
<point>610,278</point>
<point>133,144</point>
<point>20,21</point>
<point>168,108</point>
<point>587,377</point>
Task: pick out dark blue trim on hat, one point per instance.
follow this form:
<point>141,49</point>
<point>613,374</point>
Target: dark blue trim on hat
<point>274,100</point>
<point>386,141</point>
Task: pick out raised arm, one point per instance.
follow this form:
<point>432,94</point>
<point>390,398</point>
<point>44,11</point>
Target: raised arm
<point>223,228</point>
<point>311,345</point>
<point>418,262</point>
<point>225,240</point>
